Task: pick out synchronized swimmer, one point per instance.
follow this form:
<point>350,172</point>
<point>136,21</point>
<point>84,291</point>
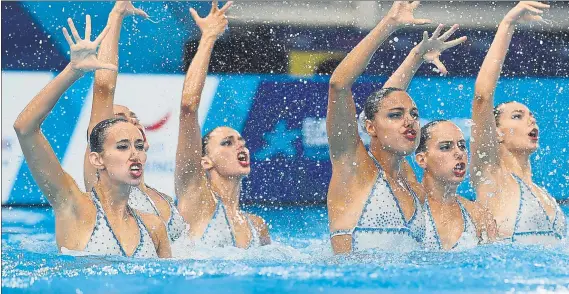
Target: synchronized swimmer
<point>374,199</point>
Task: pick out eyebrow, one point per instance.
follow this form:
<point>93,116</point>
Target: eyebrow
<point>232,137</point>
<point>519,110</point>
<point>124,141</point>
<point>398,108</point>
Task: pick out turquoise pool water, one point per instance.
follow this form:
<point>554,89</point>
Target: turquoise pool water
<point>299,261</point>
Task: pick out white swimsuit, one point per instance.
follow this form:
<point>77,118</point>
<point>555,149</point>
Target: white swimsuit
<point>468,238</point>
<point>533,225</point>
<point>104,242</point>
<point>382,224</point>
<point>219,233</point>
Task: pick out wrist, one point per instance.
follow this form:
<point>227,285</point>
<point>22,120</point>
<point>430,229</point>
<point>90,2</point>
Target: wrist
<point>208,38</point>
<point>416,52</point>
<point>75,73</point>
<point>508,23</point>
<point>390,23</point>
<point>115,14</point>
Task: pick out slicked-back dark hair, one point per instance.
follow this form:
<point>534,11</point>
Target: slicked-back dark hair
<point>99,133</point>
<point>426,134</point>
<point>371,106</point>
<point>205,141</point>
<point>498,112</point>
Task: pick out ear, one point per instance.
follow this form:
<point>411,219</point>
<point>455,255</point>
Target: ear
<point>370,128</point>
<point>421,159</point>
<point>207,164</point>
<point>96,160</point>
<point>500,135</point>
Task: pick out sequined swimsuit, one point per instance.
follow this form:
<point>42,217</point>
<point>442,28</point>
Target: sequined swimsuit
<point>382,224</point>
<point>533,225</point>
<point>432,241</point>
<point>219,232</point>
<point>104,242</point>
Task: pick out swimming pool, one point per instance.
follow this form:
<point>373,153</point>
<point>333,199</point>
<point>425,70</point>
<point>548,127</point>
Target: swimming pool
<point>300,260</point>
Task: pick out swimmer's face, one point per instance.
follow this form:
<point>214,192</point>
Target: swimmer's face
<point>396,124</point>
<point>227,153</point>
<point>446,157</point>
<point>124,112</point>
<point>517,128</point>
<point>123,155</point>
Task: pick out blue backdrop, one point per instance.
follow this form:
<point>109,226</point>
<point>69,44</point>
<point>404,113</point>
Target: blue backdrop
<point>283,120</point>
<point>282,117</point>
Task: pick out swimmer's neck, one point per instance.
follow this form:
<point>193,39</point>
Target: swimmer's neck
<point>390,163</point>
<point>228,189</point>
<point>113,196</point>
<point>517,163</point>
<point>439,191</point>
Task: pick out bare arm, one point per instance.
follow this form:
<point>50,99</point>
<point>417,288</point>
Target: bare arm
<point>428,50</point>
<point>341,124</point>
<point>189,174</point>
<point>106,80</point>
<point>484,222</point>
<point>484,143</point>
<point>54,182</point>
<point>158,233</point>
<point>59,188</point>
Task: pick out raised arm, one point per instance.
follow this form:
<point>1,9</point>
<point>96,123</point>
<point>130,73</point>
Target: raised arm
<point>341,124</point>
<point>106,80</point>
<point>428,50</point>
<point>59,188</point>
<point>484,141</point>
<point>189,174</point>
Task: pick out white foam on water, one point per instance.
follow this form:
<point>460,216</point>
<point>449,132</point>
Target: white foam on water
<point>22,216</point>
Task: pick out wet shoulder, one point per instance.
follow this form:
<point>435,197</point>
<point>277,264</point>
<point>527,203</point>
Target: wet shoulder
<point>261,227</point>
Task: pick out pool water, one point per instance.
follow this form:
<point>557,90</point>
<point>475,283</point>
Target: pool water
<point>300,260</point>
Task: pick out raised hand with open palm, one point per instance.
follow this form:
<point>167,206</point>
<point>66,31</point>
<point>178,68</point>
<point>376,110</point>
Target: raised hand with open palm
<point>84,51</point>
<point>215,22</point>
<point>431,48</point>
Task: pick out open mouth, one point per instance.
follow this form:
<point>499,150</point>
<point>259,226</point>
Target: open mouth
<point>534,134</point>
<point>410,134</point>
<point>135,170</point>
<point>459,169</point>
<point>243,158</point>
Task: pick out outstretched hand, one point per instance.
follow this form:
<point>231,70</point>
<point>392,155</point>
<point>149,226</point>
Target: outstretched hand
<point>402,13</point>
<point>431,48</point>
<point>526,11</point>
<point>126,8</point>
<point>215,22</point>
<point>83,51</point>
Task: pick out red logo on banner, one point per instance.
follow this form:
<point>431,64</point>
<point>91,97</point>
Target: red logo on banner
<point>159,124</point>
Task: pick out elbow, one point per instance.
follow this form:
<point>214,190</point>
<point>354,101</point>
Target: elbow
<point>104,86</point>
<point>482,93</point>
<point>22,128</point>
<point>337,84</point>
<point>482,89</point>
<point>190,103</point>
